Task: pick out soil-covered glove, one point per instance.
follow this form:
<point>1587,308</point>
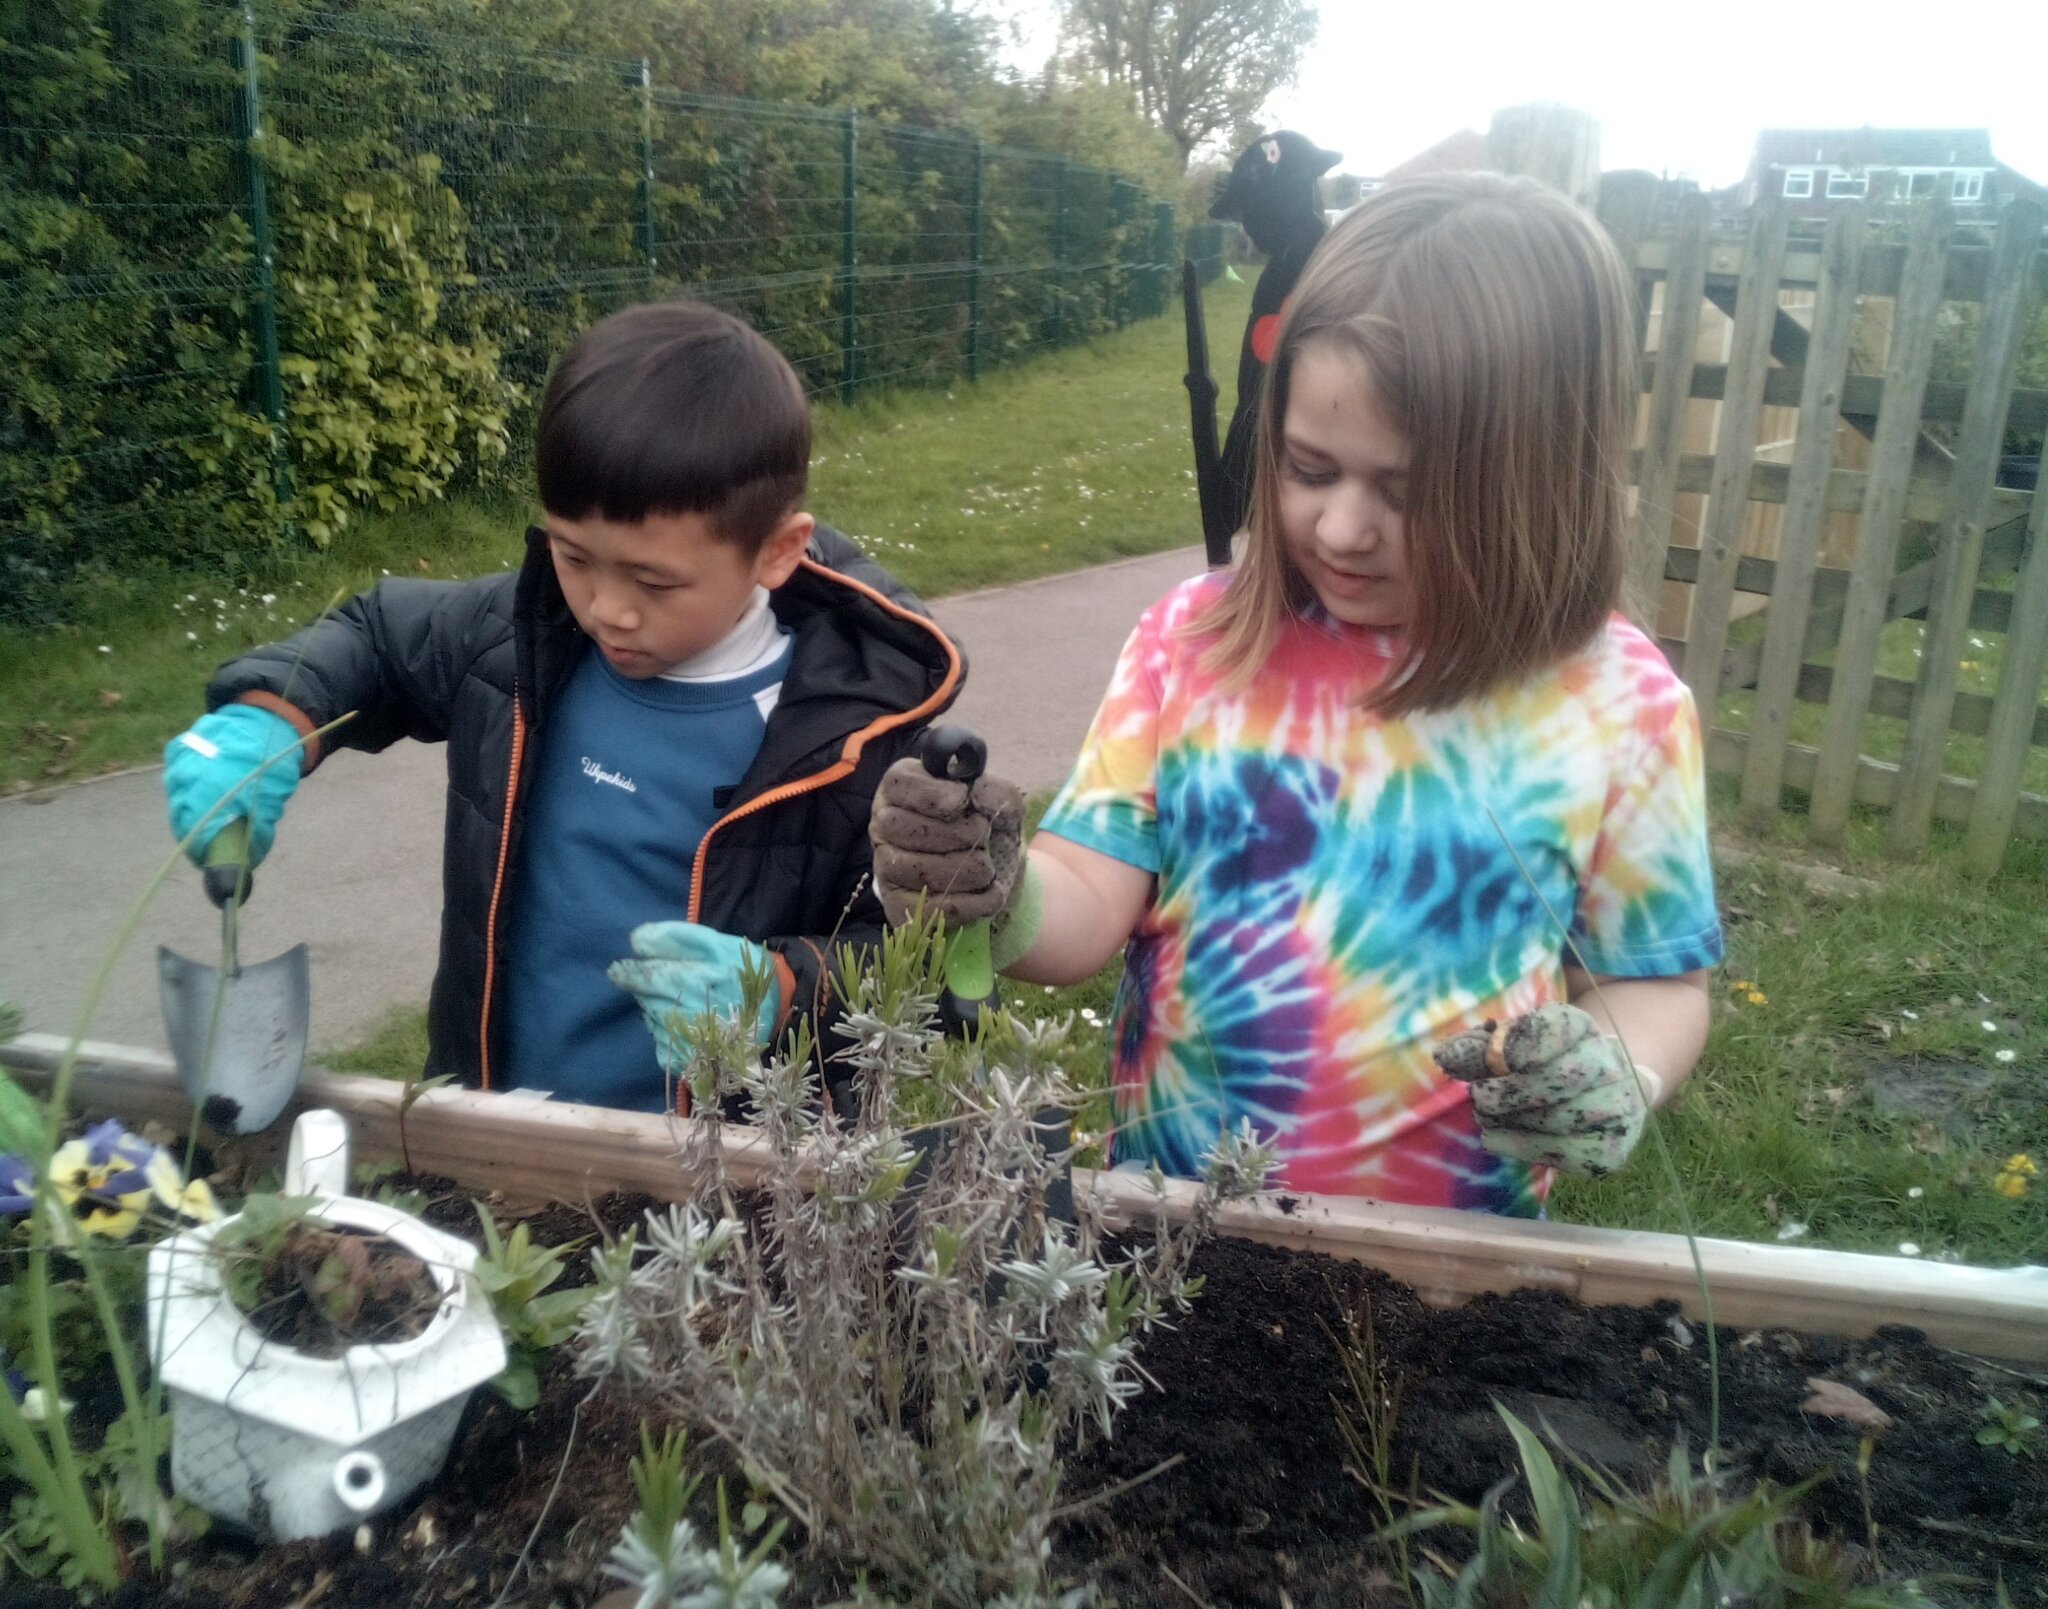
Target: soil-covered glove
<point>1550,1089</point>
<point>954,846</point>
<point>216,756</point>
<point>686,969</point>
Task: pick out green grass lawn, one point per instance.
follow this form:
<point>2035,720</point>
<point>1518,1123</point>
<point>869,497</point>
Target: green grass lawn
<point>1063,462</point>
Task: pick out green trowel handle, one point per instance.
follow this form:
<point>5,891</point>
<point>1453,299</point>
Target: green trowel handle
<point>970,990</point>
<point>225,865</point>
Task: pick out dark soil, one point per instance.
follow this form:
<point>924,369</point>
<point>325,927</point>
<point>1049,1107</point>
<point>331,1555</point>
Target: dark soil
<point>321,1290</point>
<point>1259,1510</point>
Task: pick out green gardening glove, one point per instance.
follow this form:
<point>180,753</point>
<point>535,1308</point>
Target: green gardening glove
<point>681,970</point>
<point>1550,1089</point>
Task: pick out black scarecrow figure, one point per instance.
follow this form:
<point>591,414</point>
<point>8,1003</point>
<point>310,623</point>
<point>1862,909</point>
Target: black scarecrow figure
<point>1272,193</point>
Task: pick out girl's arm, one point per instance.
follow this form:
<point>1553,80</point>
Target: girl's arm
<point>1091,903</point>
<point>1662,1021</point>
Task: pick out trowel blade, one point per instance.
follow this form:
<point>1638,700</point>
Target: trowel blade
<point>258,1035</point>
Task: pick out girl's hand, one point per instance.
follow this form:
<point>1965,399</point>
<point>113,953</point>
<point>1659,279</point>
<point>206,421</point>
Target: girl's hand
<point>1550,1089</point>
<point>954,847</point>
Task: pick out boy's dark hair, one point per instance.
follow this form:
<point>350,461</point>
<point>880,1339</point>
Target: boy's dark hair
<point>674,408</point>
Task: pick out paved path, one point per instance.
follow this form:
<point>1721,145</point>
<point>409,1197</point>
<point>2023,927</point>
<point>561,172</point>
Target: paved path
<point>356,870</point>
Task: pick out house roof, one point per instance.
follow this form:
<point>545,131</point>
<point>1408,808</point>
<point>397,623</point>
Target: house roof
<point>1461,152</point>
<point>1876,147</point>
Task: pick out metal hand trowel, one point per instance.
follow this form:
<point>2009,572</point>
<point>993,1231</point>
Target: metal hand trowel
<point>237,1033</point>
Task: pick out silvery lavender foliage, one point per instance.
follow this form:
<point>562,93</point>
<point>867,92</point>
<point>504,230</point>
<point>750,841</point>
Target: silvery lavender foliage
<point>889,1327</point>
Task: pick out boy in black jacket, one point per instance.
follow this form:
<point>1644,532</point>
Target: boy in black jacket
<point>664,733</point>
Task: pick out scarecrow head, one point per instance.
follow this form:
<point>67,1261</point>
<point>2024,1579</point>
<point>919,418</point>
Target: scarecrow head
<point>1272,188</point>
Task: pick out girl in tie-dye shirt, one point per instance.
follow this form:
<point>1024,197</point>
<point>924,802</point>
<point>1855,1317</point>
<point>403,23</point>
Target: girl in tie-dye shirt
<point>1405,772</point>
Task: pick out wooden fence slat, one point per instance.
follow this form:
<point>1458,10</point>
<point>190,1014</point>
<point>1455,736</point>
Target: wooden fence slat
<point>1627,209</point>
<point>1927,490</point>
<point>1799,538</point>
<point>1862,394</point>
<point>2008,302</point>
<point>1964,278</point>
<point>2016,715</point>
<point>1874,781</point>
<point>1734,450</point>
<point>1990,610</point>
<point>1864,606</point>
<point>1894,698</point>
<point>1664,443</point>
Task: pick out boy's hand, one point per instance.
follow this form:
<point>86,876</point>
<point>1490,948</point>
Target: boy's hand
<point>215,757</point>
<point>1551,1090</point>
<point>954,846</point>
<point>687,969</point>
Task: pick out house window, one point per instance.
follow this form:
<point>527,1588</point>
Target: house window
<point>1921,184</point>
<point>1969,187</point>
<point>1847,186</point>
<point>1798,183</point>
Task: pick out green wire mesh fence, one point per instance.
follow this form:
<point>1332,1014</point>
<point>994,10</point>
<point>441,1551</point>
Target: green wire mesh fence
<point>299,261</point>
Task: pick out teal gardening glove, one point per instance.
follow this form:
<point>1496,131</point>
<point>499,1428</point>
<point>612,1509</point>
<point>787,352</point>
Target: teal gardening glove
<point>218,755</point>
<point>685,969</point>
<point>1550,1089</point>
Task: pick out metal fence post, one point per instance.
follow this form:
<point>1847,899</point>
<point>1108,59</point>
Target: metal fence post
<point>1119,226</point>
<point>1163,233</point>
<point>1059,256</point>
<point>849,256</point>
<point>647,251</point>
<point>975,246</point>
<point>263,311</point>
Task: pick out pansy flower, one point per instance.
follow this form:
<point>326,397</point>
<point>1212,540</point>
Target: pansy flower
<point>102,1179</point>
<point>17,1186</point>
<point>107,1178</point>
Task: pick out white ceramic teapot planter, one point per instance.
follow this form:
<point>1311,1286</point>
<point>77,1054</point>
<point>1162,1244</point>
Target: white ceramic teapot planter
<point>286,1445</point>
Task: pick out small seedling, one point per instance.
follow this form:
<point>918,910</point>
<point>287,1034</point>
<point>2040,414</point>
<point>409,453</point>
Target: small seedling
<point>2010,1427</point>
<point>658,1554</point>
<point>515,1273</point>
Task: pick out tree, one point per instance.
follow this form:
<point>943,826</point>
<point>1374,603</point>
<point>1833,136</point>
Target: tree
<point>1196,68</point>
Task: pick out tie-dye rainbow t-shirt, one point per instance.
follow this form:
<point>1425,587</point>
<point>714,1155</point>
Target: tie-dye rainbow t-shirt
<point>1338,892</point>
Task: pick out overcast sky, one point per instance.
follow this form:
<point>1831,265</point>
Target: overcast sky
<point>1677,88</point>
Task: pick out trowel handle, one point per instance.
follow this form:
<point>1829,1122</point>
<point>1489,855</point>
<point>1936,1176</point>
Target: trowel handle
<point>970,989</point>
<point>225,866</point>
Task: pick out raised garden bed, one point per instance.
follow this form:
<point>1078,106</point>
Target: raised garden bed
<point>1259,1509</point>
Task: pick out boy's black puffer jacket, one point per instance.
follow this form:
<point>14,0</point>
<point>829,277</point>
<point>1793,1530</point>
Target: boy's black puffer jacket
<point>478,665</point>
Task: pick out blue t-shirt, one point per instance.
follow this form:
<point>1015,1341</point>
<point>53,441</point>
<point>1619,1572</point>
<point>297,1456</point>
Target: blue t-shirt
<point>622,794</point>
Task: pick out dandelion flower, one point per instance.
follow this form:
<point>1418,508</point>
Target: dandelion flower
<point>2006,1055</point>
<point>1916,1193</point>
<point>2013,1186</point>
<point>1757,997</point>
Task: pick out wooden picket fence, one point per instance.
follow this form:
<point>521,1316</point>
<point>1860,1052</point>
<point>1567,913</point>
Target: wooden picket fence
<point>1801,485</point>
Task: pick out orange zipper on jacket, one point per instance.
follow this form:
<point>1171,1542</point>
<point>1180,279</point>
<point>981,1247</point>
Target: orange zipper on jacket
<point>849,755</point>
<point>849,758</point>
<point>498,884</point>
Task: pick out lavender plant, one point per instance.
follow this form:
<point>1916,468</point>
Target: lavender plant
<point>895,1331</point>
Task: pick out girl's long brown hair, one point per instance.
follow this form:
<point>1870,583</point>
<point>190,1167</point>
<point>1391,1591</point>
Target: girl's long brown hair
<point>1492,316</point>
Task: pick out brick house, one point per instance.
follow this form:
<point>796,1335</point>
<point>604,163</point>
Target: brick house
<point>1812,168</point>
